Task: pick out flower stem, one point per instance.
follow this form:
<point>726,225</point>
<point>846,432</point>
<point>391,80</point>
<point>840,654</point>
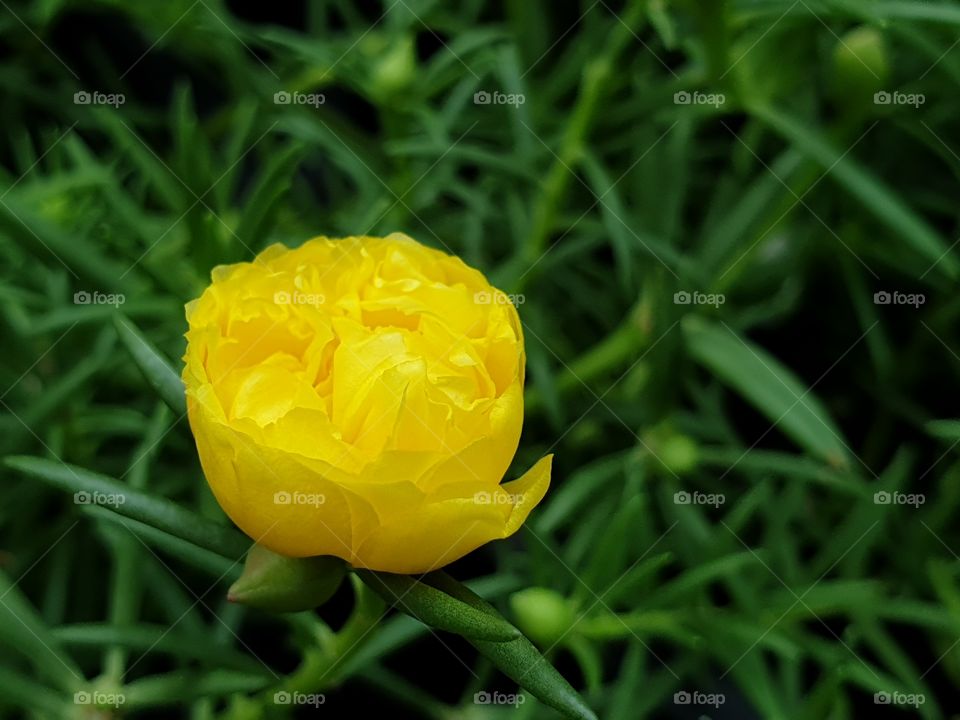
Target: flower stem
<point>324,665</point>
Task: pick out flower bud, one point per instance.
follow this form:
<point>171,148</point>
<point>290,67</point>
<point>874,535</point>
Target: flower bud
<point>673,452</point>
<point>394,68</point>
<point>680,453</point>
<point>542,614</point>
<point>860,67</point>
<point>281,584</point>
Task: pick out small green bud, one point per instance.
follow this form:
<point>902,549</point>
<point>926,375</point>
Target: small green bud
<point>394,67</point>
<point>680,453</point>
<point>542,614</point>
<point>281,584</point>
<point>672,452</point>
<point>860,66</point>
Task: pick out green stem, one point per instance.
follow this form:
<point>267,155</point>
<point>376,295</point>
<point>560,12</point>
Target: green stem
<point>125,599</point>
<point>593,86</point>
<point>323,663</point>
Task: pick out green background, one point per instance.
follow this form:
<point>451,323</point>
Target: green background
<point>694,205</point>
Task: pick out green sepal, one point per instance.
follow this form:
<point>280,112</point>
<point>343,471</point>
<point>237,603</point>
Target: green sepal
<point>280,584</point>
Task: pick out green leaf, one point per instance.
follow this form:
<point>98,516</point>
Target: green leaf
<point>730,630</point>
<point>73,252</point>
<point>767,384</point>
<point>827,599</point>
<point>945,585</point>
<point>585,484</point>
<point>588,658</point>
<point>622,697</point>
<point>900,11</point>
<point>871,192</point>
<point>125,500</point>
<point>400,630</point>
<point>678,591</point>
<point>71,383</point>
<point>787,465</point>
<point>637,625</point>
<point>519,659</point>
<point>153,365</point>
<point>944,429</point>
<point>212,563</point>
<point>606,568</point>
<point>178,687</point>
<point>523,663</point>
<point>438,609</point>
<point>16,689</point>
<point>637,579</point>
<point>261,205</point>
<point>22,628</point>
<point>144,638</point>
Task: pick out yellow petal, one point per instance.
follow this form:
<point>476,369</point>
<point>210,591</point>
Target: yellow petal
<point>363,398</point>
<point>527,491</point>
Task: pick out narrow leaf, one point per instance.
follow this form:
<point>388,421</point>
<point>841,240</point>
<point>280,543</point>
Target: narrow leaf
<point>213,564</point>
<point>22,628</point>
<point>523,663</point>
<point>875,196</point>
<point>16,689</point>
<point>273,183</point>
<point>519,659</point>
<point>158,639</point>
<point>175,688</point>
<point>91,488</point>
<point>769,385</point>
<point>436,608</point>
<point>155,368</point>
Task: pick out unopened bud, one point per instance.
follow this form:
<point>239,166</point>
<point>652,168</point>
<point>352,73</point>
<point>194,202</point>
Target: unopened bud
<point>542,614</point>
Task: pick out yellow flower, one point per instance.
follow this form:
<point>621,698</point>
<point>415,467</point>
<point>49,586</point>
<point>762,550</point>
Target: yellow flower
<point>361,398</point>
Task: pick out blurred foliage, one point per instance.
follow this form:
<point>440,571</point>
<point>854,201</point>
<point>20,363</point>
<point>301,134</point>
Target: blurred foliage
<point>694,206</point>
